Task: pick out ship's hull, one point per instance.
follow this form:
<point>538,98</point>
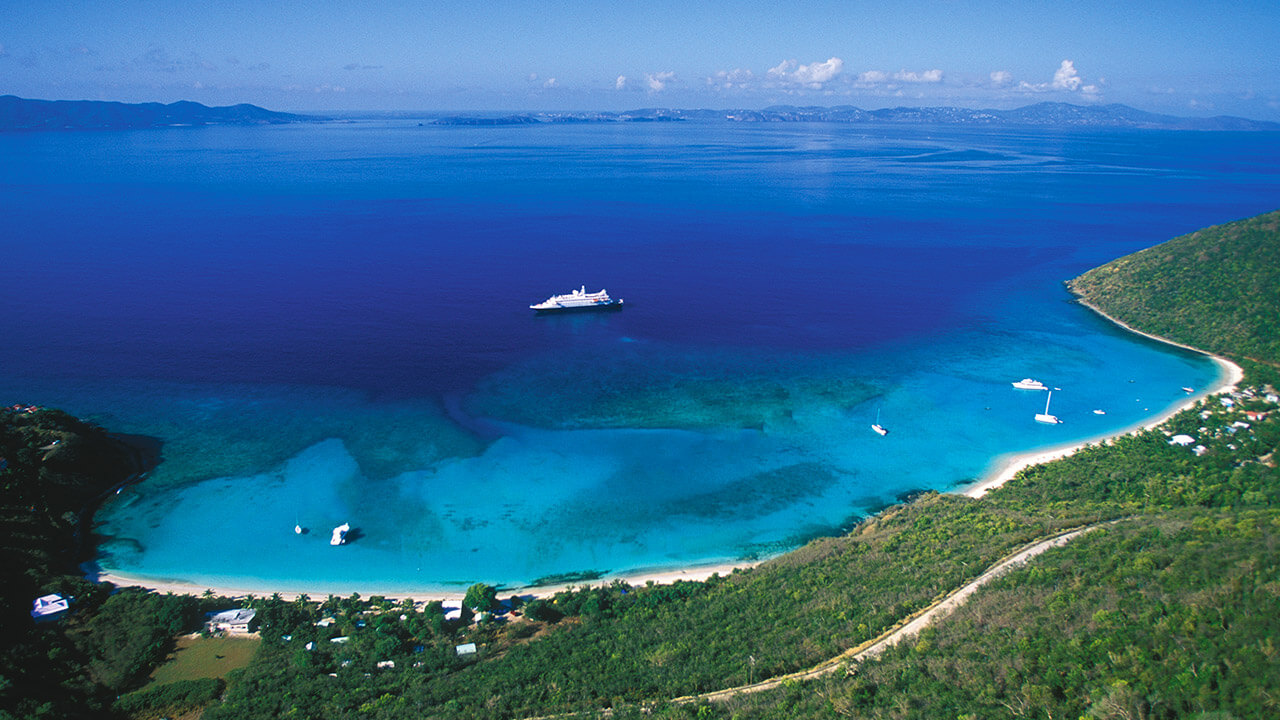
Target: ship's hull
<point>593,307</point>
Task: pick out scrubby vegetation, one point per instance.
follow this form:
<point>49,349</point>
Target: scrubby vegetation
<point>1217,289</point>
<point>1169,611</point>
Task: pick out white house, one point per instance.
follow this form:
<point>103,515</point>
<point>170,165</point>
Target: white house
<point>1183,440</point>
<point>467,649</point>
<point>49,605</point>
<point>235,622</point>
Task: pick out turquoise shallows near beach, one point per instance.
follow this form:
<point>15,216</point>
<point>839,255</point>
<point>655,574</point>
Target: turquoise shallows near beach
<point>329,323</point>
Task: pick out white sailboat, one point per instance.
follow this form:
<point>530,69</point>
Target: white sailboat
<point>877,427</point>
<point>1045,417</point>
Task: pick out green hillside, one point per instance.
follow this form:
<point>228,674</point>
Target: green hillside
<point>1217,289</point>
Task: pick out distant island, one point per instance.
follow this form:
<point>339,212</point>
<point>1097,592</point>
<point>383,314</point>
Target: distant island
<point>1045,114</point>
<point>23,114</point>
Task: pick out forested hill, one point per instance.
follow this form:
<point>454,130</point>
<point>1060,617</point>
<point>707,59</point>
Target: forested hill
<point>22,114</point>
<point>53,468</point>
<point>1216,289</point>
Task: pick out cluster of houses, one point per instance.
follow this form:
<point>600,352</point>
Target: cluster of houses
<point>20,408</point>
<point>1230,403</point>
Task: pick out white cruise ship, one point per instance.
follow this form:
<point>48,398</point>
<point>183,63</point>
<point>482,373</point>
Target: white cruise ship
<point>578,300</point>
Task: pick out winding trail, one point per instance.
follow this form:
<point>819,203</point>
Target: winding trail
<point>906,629</point>
<point>909,627</point>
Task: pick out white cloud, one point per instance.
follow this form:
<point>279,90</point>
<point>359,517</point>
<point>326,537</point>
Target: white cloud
<point>1066,77</point>
<point>620,83</point>
<point>1000,78</point>
<point>872,77</point>
<point>812,75</point>
<point>657,82</point>
<point>928,76</point>
<point>550,83</point>
<point>729,79</point>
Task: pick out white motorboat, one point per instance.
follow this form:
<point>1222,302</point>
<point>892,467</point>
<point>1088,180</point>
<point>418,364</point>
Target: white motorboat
<point>340,534</point>
<point>1029,384</point>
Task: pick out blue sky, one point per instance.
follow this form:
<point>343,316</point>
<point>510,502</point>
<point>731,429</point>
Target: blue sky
<point>1185,58</point>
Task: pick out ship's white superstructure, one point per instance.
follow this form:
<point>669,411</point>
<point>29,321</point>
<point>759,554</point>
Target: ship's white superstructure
<point>579,299</point>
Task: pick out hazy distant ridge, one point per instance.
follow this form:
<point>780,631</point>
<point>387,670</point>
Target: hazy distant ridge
<point>1045,114</point>
<point>21,114</point>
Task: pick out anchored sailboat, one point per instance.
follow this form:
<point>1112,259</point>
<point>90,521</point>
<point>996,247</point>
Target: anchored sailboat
<point>1045,417</point>
<point>877,427</point>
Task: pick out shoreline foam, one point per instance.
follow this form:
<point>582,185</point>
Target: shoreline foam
<point>1001,470</point>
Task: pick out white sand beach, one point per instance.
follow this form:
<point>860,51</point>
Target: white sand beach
<point>319,592</point>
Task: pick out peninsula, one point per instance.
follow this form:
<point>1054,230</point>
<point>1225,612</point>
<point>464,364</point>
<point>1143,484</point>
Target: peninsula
<point>22,114</point>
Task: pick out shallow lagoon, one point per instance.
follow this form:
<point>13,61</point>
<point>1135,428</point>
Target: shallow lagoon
<point>327,324</point>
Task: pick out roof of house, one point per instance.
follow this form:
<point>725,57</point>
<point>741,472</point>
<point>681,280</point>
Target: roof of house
<point>49,605</point>
<point>233,617</point>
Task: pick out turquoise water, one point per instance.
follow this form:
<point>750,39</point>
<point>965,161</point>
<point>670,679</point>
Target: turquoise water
<point>328,324</point>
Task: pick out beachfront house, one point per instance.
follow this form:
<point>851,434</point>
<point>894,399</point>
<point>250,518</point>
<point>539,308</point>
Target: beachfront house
<point>233,622</point>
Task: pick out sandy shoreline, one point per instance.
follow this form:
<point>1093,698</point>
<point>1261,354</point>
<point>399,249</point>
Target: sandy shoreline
<point>319,592</point>
<point>1001,470</point>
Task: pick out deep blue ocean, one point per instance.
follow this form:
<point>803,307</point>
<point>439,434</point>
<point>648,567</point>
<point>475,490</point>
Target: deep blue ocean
<point>329,323</point>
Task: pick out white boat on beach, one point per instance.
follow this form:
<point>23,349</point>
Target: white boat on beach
<point>1045,417</point>
<point>578,300</point>
<point>1029,384</point>
<point>340,534</point>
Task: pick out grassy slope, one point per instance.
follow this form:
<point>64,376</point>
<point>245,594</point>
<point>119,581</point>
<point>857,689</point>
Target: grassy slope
<point>200,657</point>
